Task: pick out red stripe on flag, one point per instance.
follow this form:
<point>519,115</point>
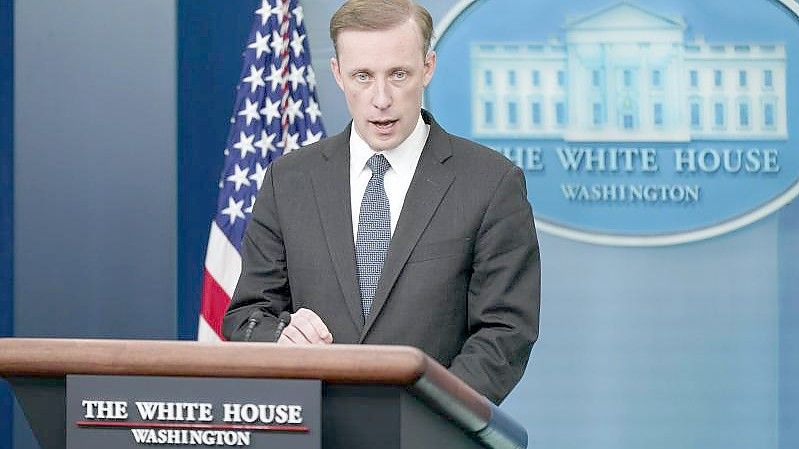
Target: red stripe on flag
<point>214,303</point>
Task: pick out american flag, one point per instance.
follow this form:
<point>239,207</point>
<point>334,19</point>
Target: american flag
<point>276,112</point>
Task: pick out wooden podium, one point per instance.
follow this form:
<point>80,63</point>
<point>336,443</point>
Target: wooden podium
<point>372,396</point>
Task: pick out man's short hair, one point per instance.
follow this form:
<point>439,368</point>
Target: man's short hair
<point>377,15</point>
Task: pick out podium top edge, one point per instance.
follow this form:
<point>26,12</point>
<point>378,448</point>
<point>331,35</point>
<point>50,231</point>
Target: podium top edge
<point>53,357</point>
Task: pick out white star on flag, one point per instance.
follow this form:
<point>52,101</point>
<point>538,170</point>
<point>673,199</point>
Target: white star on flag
<point>279,11</point>
<point>260,44</point>
<point>291,142</point>
<point>275,77</point>
<point>297,15</point>
<point>250,111</point>
<point>313,110</point>
<point>294,109</point>
<point>296,43</point>
<point>270,110</point>
<point>311,137</point>
<point>277,42</point>
<point>233,210</point>
<point>264,11</point>
<point>239,177</point>
<point>248,209</point>
<point>255,79</point>
<point>245,144</point>
<point>310,78</point>
<point>265,144</point>
<point>296,76</point>
<point>258,176</point>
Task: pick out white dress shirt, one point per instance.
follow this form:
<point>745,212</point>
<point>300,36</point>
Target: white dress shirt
<point>403,160</point>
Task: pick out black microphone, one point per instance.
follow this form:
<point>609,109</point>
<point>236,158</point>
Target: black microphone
<point>283,320</point>
<point>252,321</point>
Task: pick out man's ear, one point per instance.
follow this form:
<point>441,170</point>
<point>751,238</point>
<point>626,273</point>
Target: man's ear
<point>429,66</point>
<point>334,67</point>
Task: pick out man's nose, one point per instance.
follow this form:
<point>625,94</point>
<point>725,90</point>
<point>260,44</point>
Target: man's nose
<point>381,98</point>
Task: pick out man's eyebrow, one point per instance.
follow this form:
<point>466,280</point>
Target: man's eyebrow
<point>370,72</point>
<point>359,70</point>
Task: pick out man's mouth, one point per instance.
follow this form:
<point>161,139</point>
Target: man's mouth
<point>383,125</point>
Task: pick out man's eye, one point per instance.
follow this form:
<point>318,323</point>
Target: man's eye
<point>400,75</point>
<point>361,77</point>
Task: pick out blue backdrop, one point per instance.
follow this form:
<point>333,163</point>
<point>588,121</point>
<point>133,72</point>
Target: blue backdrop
<point>6,199</point>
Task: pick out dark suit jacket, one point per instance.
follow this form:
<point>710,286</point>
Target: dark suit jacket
<point>461,278</point>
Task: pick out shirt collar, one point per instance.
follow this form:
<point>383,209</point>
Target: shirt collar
<point>403,158</point>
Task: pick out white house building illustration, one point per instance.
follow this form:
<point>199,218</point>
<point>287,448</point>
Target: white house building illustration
<point>626,74</point>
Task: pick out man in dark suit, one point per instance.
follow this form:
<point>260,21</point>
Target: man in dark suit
<point>394,232</point>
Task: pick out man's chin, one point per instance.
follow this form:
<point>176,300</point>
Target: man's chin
<point>377,144</point>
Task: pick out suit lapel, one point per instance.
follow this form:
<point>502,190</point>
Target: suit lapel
<point>331,182</point>
<point>428,187</point>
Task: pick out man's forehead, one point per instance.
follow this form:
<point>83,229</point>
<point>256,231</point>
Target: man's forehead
<point>404,35</point>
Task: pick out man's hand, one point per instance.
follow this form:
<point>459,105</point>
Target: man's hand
<point>305,328</point>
